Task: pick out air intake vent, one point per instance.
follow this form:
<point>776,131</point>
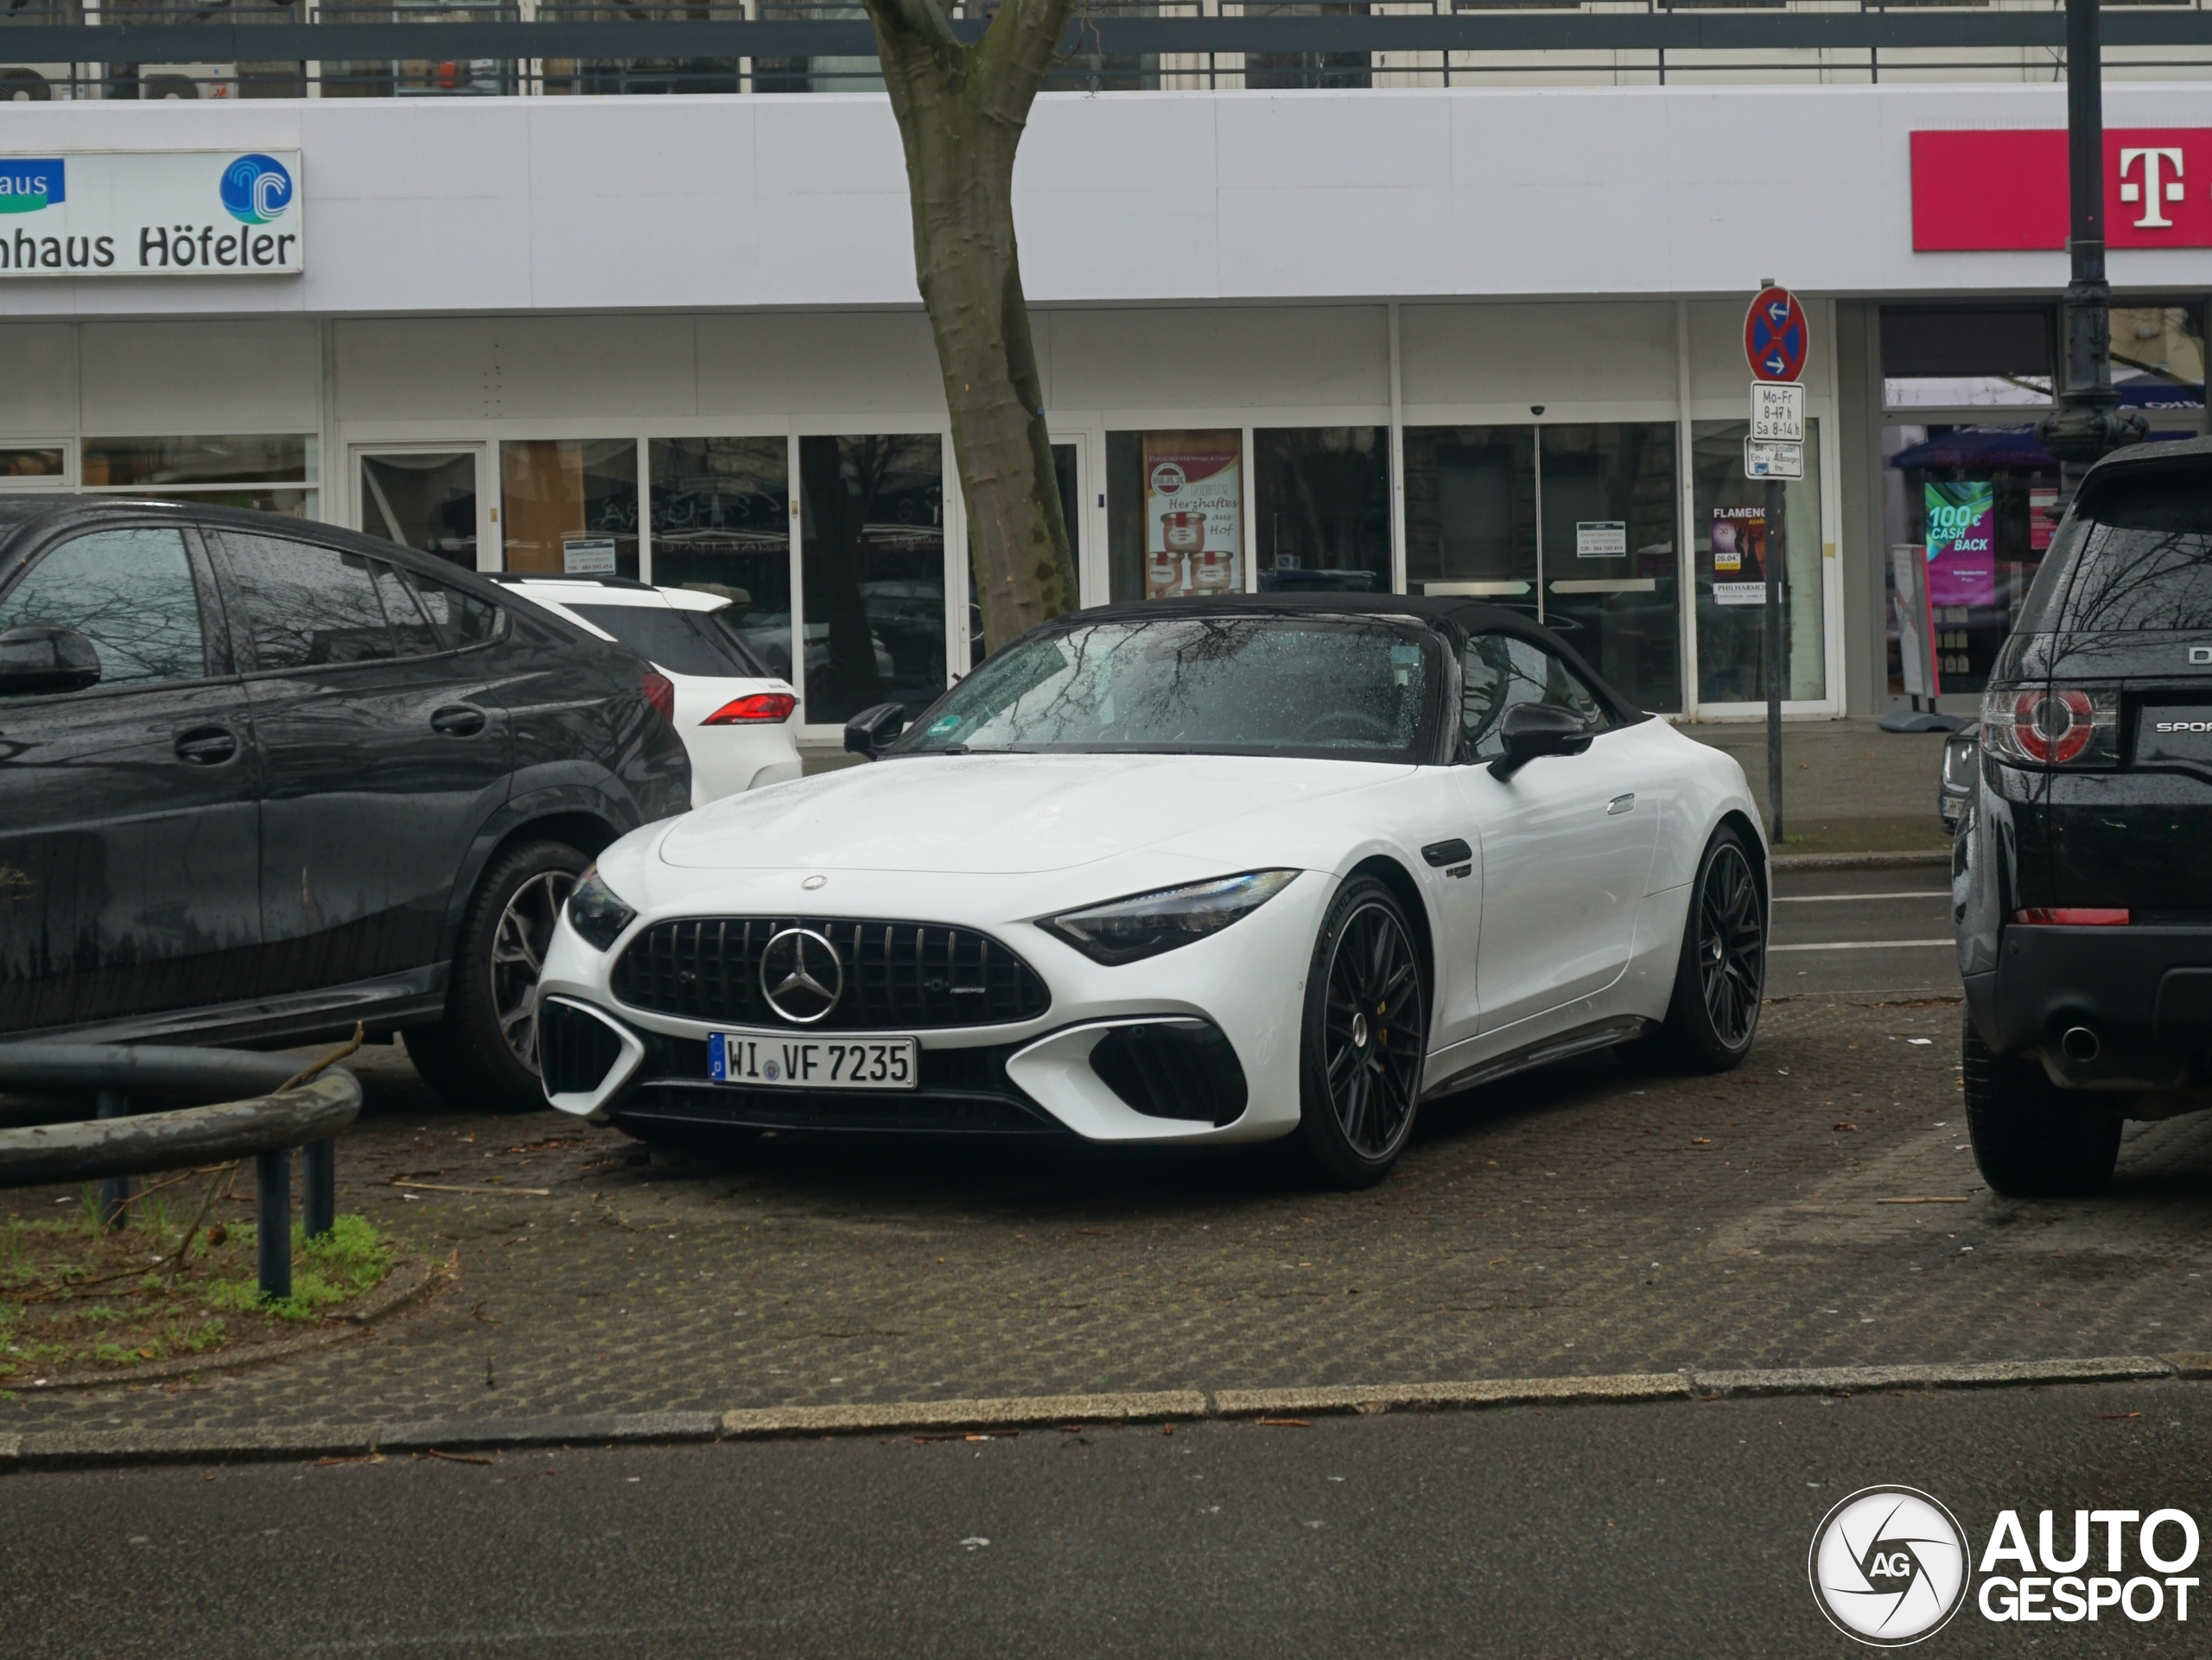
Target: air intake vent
<point>1174,1069</point>
<point>897,976</point>
<point>575,1050</point>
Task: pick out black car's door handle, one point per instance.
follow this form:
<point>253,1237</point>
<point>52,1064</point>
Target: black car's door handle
<point>458,721</point>
<point>207,746</point>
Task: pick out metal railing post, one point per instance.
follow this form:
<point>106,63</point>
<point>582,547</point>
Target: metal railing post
<point>115,1191</point>
<point>319,1186</point>
<point>272,1173</point>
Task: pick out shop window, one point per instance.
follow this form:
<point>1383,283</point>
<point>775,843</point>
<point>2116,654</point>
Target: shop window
<point>2158,362</point>
<point>1571,524</point>
<point>424,500</point>
<point>273,473</point>
<point>1175,513</point>
<point>570,506</point>
<point>1731,544</point>
<point>1321,501</point>
<point>722,521</point>
<point>33,464</point>
<point>1947,358</point>
<point>871,549</point>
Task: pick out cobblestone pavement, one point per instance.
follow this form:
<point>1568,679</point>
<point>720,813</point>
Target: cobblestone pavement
<point>1588,1220</point>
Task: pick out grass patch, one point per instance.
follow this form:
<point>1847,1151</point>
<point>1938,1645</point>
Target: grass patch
<point>75,1297</point>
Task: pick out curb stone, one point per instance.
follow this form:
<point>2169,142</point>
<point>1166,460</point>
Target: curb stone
<point>84,1449</point>
<point>1858,861</point>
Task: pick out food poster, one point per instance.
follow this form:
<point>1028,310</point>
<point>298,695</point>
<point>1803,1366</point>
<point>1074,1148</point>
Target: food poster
<point>1194,513</point>
<point>1739,541</point>
<point>1961,543</point>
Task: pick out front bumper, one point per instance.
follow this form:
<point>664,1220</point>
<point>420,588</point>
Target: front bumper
<point>2143,994</point>
<point>1200,1043</point>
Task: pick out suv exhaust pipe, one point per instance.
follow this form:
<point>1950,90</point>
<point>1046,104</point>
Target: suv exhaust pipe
<point>2080,1044</point>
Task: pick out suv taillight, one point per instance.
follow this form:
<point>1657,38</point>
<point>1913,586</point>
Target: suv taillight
<point>755,709</point>
<point>2061,726</point>
<point>660,692</point>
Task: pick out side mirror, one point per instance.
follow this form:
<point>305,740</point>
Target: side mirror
<point>45,657</point>
<point>872,731</point>
<point>1530,730</point>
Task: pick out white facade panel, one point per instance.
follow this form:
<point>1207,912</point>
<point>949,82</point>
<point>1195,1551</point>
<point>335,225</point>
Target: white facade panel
<point>731,203</point>
<point>176,378</point>
<point>1258,357</point>
<point>1569,351</point>
<point>803,365</point>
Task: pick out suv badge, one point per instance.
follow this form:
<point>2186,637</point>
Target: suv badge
<point>801,975</point>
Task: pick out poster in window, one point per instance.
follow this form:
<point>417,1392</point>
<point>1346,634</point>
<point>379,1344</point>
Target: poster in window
<point>1961,542</point>
<point>1739,555</point>
<point>1194,513</point>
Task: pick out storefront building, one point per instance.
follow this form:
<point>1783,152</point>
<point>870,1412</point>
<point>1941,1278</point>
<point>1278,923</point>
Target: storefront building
<point>1461,341</point>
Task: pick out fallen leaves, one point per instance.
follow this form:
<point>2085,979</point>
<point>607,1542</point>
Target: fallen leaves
<point>1846,1127</point>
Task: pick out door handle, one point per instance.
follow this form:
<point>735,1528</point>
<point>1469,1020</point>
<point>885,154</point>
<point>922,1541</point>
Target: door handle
<point>458,721</point>
<point>207,746</point>
<point>1620,804</point>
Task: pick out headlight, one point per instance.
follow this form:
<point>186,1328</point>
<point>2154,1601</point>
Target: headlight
<point>596,913</point>
<point>1145,925</point>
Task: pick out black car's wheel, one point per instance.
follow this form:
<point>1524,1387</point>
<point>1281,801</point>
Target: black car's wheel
<point>484,1053</point>
<point>2031,1139</point>
<point>1721,975</point>
<point>1365,1037</point>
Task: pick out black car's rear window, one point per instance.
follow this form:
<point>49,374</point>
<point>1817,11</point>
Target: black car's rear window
<point>683,642</point>
<point>2140,557</point>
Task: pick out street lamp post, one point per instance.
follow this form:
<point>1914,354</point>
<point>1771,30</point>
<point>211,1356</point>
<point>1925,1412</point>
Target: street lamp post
<point>2086,421</point>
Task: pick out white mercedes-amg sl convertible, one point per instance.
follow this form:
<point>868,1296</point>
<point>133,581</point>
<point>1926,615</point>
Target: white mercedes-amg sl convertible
<point>1182,871</point>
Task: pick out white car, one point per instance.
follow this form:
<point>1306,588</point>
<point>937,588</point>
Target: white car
<point>1181,871</point>
<point>734,714</point>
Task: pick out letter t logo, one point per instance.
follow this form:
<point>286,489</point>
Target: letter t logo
<point>2153,192</point>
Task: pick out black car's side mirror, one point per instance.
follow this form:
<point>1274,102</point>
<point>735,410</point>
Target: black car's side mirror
<point>45,657</point>
<point>872,731</point>
<point>1530,730</point>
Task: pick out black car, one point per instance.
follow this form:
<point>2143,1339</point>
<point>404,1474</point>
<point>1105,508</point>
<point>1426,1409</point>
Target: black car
<point>261,778</point>
<point>2081,877</point>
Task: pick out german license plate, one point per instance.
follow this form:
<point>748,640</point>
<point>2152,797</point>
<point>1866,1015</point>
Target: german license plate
<point>770,1060</point>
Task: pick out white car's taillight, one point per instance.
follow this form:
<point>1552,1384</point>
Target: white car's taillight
<point>754,708</point>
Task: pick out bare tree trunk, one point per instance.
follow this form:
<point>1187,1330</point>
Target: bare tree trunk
<point>962,110</point>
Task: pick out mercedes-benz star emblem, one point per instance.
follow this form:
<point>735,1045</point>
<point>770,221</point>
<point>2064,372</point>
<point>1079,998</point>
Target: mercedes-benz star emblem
<point>801,976</point>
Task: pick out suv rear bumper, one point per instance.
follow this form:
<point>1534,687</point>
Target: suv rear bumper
<point>2143,995</point>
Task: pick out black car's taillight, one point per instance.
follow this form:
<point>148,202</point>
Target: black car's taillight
<point>2052,726</point>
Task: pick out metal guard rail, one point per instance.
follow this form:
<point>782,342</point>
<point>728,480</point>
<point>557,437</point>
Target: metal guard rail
<point>254,1114</point>
<point>1112,37</point>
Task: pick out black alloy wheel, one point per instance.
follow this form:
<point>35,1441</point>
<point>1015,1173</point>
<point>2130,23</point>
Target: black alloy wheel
<point>1721,978</point>
<point>484,1053</point>
<point>1365,1039</point>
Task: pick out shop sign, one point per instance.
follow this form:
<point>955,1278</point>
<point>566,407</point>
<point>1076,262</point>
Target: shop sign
<point>1602,538</point>
<point>191,213</point>
<point>1194,513</point>
<point>588,556</point>
<point>1961,543</point>
<point>1975,191</point>
<point>1739,555</point>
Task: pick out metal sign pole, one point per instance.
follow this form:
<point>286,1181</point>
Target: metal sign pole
<point>1773,573</point>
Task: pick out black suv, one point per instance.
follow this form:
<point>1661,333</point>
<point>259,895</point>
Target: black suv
<point>261,778</point>
<point>2081,876</point>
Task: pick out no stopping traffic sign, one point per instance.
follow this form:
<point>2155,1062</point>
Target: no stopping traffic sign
<point>1777,337</point>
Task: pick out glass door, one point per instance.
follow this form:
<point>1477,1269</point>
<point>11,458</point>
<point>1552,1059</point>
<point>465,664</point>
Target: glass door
<point>422,498</point>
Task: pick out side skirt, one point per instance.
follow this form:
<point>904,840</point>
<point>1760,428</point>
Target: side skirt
<point>383,1005</point>
<point>1605,1034</point>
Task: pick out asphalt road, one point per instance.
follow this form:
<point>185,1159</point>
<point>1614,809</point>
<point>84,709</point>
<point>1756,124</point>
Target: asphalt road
<point>1654,1530</point>
<point>1862,931</point>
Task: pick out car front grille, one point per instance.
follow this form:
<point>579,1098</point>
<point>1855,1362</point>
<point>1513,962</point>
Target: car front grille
<point>898,975</point>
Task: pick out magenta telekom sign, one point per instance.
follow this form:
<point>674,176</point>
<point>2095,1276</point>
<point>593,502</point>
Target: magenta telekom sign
<point>1987,190</point>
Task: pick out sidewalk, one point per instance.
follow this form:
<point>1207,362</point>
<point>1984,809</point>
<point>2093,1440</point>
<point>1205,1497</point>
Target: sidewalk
<point>1848,786</point>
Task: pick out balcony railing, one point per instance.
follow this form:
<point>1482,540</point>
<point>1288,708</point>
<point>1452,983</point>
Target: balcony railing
<point>255,48</point>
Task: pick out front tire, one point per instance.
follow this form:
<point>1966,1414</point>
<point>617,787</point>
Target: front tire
<point>1365,1037</point>
<point>484,1053</point>
<point>2031,1139</point>
<point>1720,976</point>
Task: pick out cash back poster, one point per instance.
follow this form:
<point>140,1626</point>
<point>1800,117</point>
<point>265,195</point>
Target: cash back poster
<point>1961,542</point>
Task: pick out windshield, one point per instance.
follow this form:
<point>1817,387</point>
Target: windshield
<point>1342,686</point>
<point>682,642</point>
<point>2142,556</point>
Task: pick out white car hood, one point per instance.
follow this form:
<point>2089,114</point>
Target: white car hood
<point>987,814</point>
